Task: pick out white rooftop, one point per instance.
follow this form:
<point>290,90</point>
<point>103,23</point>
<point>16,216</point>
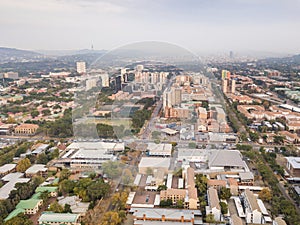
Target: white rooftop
<point>36,168</point>
<point>159,149</point>
<point>294,161</point>
<point>7,167</point>
<point>154,162</point>
<point>113,146</point>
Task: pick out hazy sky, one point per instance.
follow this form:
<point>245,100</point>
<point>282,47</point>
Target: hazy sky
<point>199,25</point>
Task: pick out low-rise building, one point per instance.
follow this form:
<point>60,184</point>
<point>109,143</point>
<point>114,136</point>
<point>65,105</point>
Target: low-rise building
<point>26,129</point>
<point>36,169</point>
<point>59,218</point>
<point>7,168</point>
<point>293,166</point>
<point>52,191</point>
<point>213,204</point>
<point>252,209</point>
<point>30,206</point>
<point>166,216</point>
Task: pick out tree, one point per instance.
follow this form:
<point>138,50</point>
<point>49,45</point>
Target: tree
<point>162,187</point>
<point>112,169</point>
<point>46,112</point>
<point>210,218</point>
<point>67,208</point>
<point>56,207</point>
<point>23,165</point>
<point>19,219</point>
<point>127,177</point>
<point>10,120</point>
<point>265,194</point>
<point>97,189</point>
<point>278,139</point>
<point>42,158</point>
<point>225,193</point>
<point>165,203</point>
<point>34,113</point>
<point>224,208</point>
<point>66,186</point>
<point>64,174</point>
<point>111,218</point>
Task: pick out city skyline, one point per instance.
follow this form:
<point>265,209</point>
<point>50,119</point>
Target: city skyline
<point>201,26</point>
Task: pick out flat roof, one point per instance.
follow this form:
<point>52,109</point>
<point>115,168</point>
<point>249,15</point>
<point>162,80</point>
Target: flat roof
<point>36,168</point>
<point>225,158</point>
<point>7,167</point>
<point>115,146</point>
<point>159,149</point>
<point>294,161</point>
<point>246,176</point>
<point>168,213</point>
<point>154,162</point>
<point>59,217</point>
<point>91,154</point>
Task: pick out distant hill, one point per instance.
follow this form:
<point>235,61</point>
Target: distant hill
<point>69,52</point>
<point>13,54</point>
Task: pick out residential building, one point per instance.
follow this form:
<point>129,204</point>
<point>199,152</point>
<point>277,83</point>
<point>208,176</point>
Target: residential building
<point>293,166</point>
<point>213,204</point>
<point>36,169</point>
<point>81,67</point>
<point>59,218</point>
<point>252,209</point>
<point>26,129</point>
<point>30,206</point>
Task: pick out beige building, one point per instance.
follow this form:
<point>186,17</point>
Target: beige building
<point>26,129</point>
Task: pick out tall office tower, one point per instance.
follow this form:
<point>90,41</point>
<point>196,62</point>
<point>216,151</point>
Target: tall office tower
<point>233,86</point>
<point>231,55</point>
<point>104,79</point>
<point>225,85</point>
<point>81,67</point>
<point>118,84</point>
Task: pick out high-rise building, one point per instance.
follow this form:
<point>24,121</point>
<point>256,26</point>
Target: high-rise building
<point>118,84</point>
<point>104,79</point>
<point>80,67</point>
<point>225,85</point>
<point>233,86</point>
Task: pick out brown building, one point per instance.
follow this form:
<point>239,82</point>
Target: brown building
<point>26,129</point>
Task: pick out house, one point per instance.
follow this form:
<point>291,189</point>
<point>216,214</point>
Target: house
<point>213,204</point>
<point>52,191</point>
<point>26,129</point>
<point>30,206</point>
<point>50,218</point>
<point>36,169</point>
<point>293,165</point>
<point>252,209</point>
<point>7,168</point>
